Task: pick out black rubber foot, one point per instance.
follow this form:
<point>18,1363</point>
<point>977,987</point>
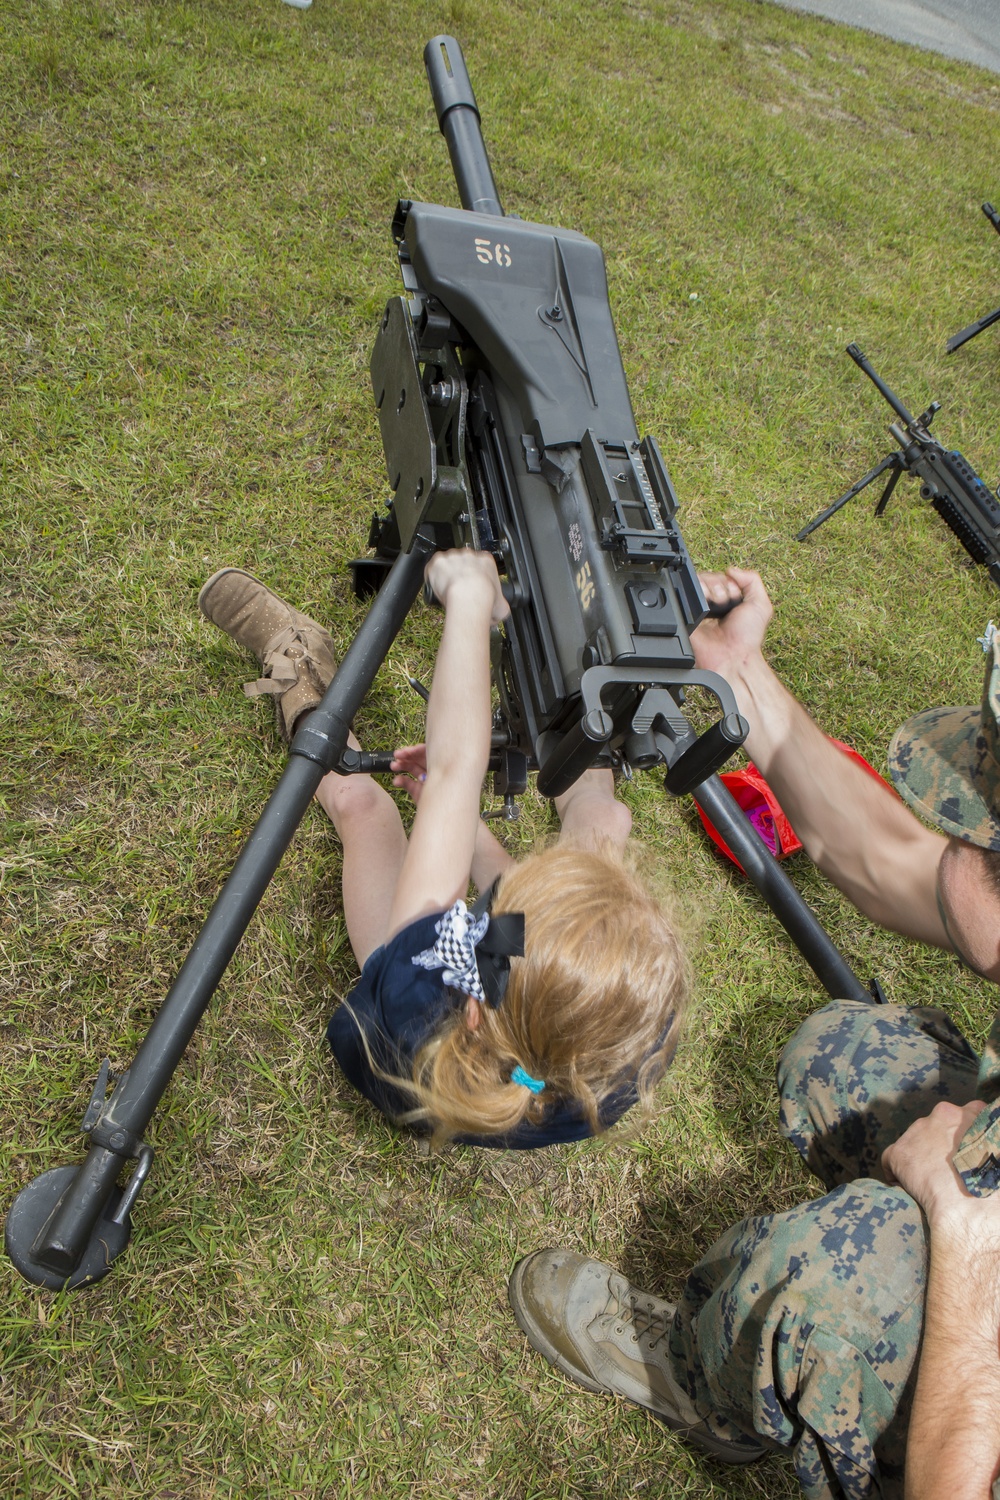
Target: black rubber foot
<point>31,1211</point>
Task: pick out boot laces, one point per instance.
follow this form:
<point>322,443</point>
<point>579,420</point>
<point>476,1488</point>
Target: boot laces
<point>290,658</point>
<point>633,1311</point>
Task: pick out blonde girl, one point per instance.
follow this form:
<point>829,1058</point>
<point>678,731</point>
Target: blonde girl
<point>539,1020</point>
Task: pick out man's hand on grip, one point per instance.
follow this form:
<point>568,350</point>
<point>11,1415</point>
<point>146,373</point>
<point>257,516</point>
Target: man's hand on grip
<point>725,644</point>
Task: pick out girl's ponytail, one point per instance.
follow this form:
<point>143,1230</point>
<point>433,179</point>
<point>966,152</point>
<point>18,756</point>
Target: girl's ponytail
<point>592,1008</point>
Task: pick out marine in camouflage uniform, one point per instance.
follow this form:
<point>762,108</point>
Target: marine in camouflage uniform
<point>802,1330</point>
<point>804,1327</point>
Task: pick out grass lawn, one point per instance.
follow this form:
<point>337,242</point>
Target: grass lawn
<point>194,251</point>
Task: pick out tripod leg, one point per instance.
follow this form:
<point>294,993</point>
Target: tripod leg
<point>57,1230</point>
<point>813,942</point>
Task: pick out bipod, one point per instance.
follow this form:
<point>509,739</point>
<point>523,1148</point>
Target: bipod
<point>972,329</point>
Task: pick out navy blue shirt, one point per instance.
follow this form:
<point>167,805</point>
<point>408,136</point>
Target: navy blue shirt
<point>399,1005</point>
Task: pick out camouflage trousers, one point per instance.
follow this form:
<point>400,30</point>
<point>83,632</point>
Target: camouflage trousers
<point>804,1327</point>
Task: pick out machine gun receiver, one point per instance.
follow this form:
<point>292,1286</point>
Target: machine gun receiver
<point>421,414</point>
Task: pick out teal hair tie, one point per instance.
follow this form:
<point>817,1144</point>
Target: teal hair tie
<point>525,1079</point>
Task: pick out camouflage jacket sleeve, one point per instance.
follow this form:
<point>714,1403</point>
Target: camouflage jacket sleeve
<point>978,1157</point>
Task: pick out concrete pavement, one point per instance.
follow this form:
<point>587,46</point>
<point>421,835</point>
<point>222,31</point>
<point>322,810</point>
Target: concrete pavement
<point>965,29</point>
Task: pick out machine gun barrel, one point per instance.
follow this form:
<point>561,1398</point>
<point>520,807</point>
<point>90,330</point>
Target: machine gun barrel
<point>458,117</point>
<point>879,384</point>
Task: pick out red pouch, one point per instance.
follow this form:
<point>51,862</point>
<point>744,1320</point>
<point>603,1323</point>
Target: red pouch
<point>762,808</point>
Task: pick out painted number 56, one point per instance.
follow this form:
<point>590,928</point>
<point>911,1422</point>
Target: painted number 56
<point>491,254</point>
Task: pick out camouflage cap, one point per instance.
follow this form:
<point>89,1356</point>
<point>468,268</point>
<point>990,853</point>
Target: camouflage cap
<point>946,762</point>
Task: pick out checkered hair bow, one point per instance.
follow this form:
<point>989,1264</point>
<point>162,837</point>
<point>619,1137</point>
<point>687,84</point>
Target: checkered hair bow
<point>474,950</point>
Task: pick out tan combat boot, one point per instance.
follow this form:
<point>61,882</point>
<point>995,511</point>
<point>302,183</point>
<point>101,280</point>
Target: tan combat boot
<point>295,653</point>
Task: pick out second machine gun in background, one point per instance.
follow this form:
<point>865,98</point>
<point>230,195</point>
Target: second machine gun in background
<point>952,486</point>
<point>965,334</point>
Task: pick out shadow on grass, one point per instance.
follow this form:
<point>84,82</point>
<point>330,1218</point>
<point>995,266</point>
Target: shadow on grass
<point>672,1227</point>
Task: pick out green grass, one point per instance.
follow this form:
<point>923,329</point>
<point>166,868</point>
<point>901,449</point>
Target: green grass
<point>194,251</point>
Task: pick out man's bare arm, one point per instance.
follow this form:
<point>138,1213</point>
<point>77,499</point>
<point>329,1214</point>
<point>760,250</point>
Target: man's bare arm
<point>953,1443</point>
<point>859,834</point>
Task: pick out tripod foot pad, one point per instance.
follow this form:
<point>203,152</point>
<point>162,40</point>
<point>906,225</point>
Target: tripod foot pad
<point>31,1211</point>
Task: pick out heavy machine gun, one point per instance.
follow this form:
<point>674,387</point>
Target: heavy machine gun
<point>965,334</point>
<point>507,425</point>
<point>947,480</point>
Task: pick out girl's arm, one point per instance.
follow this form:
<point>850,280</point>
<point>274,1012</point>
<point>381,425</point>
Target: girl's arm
<point>489,858</point>
<point>438,861</point>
